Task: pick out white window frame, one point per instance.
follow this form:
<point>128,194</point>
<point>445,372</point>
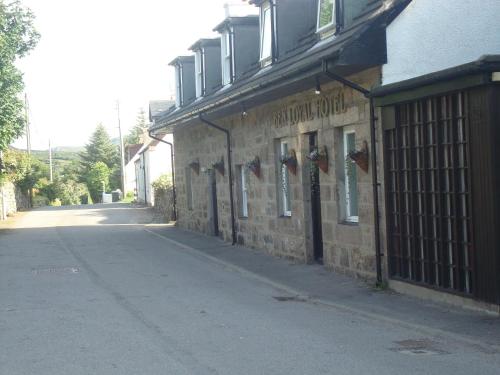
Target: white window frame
<point>349,215</point>
<point>284,178</point>
<point>243,191</point>
<point>199,63</point>
<point>264,27</point>
<point>178,86</point>
<point>332,23</point>
<point>227,57</point>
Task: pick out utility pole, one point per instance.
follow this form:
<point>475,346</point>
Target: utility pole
<point>27,120</point>
<point>122,151</point>
<point>28,142</point>
<point>50,162</point>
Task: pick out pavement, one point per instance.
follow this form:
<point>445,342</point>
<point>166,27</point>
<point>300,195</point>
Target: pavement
<point>105,289</point>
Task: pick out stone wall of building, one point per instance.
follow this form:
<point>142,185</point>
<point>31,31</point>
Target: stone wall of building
<point>347,247</point>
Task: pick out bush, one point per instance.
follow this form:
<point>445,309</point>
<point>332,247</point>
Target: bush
<point>98,174</point>
<point>40,201</point>
<point>68,192</point>
<point>55,203</point>
<point>163,183</point>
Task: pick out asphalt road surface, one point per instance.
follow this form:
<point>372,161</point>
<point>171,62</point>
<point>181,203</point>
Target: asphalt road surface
<point>91,291</point>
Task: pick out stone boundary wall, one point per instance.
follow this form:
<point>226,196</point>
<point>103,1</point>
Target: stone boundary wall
<point>11,200</point>
<point>164,203</point>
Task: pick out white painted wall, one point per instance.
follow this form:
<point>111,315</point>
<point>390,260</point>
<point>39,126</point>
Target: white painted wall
<point>433,35</point>
<point>157,164</point>
<point>139,176</point>
<point>155,161</point>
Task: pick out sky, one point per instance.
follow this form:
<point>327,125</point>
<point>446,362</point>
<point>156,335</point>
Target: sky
<point>94,53</point>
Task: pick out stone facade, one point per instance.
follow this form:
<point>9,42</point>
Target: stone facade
<point>346,247</point>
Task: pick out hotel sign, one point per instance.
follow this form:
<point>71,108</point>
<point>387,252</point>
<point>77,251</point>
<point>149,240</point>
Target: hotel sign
<point>321,107</point>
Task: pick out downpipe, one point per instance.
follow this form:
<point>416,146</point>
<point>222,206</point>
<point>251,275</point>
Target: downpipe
<point>373,144</point>
<point>230,170</point>
<point>174,194</point>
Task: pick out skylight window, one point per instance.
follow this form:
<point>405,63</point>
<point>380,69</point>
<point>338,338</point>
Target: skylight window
<point>326,14</point>
<point>266,30</point>
<point>199,68</point>
<point>178,86</point>
<point>226,60</point>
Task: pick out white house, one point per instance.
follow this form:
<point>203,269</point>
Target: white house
<point>154,158</point>
<point>152,161</point>
<point>434,35</point>
<point>131,156</point>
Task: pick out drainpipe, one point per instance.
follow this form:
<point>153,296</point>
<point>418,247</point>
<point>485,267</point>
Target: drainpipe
<point>2,207</point>
<point>373,132</point>
<point>145,182</point>
<point>174,197</point>
<point>230,173</point>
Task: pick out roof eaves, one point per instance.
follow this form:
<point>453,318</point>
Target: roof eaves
<point>231,21</point>
<point>321,50</point>
<point>182,60</point>
<point>205,43</point>
<point>485,64</point>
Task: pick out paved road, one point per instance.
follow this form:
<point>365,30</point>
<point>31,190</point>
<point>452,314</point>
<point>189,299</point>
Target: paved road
<point>91,291</point>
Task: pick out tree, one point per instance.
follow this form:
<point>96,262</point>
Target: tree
<point>136,133</point>
<point>22,169</point>
<point>101,149</point>
<point>98,175</point>
<point>17,38</point>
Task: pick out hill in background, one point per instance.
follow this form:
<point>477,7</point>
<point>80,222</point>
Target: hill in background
<point>62,157</point>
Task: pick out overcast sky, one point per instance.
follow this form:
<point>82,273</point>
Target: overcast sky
<point>93,52</point>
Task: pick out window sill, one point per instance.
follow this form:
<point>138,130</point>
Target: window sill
<point>350,223</point>
<point>285,217</point>
<point>327,31</point>
<point>266,62</point>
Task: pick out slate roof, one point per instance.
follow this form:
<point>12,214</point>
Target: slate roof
<point>157,107</point>
<point>131,151</point>
<point>359,46</point>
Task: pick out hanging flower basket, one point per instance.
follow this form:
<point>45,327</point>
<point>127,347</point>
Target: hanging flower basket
<point>320,158</point>
<point>195,166</point>
<point>360,157</point>
<point>219,166</point>
<point>290,160</point>
<point>254,166</point>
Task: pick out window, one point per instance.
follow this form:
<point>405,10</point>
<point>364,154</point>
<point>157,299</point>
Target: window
<point>266,32</point>
<point>199,63</point>
<point>178,85</point>
<point>243,190</point>
<point>189,189</point>
<point>283,184</point>
<point>350,177</point>
<point>326,14</point>
<point>226,48</point>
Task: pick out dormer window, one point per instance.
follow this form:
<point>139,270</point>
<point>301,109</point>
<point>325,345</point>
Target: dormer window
<point>199,63</point>
<point>266,33</point>
<point>226,54</point>
<point>178,86</point>
<point>326,15</point>
<point>185,90</point>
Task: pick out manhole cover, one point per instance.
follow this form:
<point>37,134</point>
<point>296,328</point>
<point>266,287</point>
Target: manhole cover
<point>289,299</point>
<point>54,270</point>
<point>418,347</point>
